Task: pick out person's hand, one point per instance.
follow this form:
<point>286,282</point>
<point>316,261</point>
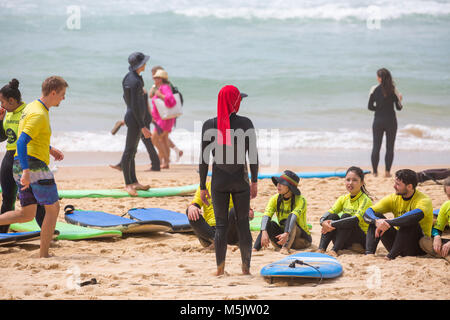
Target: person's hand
<point>2,113</point>
<point>282,238</point>
<point>56,154</point>
<point>437,244</point>
<point>445,250</point>
<point>147,134</point>
<point>25,179</point>
<point>265,239</point>
<point>253,190</point>
<point>204,195</point>
<point>193,213</point>
<point>382,227</point>
<point>159,94</point>
<point>327,227</point>
<point>145,91</point>
<point>251,214</point>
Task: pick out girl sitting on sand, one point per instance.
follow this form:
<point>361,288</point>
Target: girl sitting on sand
<point>290,207</point>
<point>343,223</point>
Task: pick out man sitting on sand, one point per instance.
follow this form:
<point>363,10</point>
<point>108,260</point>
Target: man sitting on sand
<point>201,218</point>
<point>34,179</point>
<point>437,246</point>
<point>413,218</point>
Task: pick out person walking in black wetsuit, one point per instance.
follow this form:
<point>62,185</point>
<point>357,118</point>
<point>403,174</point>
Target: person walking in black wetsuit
<point>230,138</point>
<point>135,118</point>
<point>11,101</point>
<point>382,99</point>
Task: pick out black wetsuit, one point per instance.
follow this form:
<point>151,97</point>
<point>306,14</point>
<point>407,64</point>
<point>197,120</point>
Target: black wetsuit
<point>135,119</point>
<point>347,232</point>
<point>206,233</point>
<point>385,120</point>
<point>401,242</point>
<point>230,178</point>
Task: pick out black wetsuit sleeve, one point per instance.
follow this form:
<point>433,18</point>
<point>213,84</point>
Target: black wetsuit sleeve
<point>345,223</point>
<point>397,103</point>
<point>371,104</point>
<point>134,92</point>
<point>3,136</point>
<point>204,154</point>
<point>407,219</point>
<point>252,153</point>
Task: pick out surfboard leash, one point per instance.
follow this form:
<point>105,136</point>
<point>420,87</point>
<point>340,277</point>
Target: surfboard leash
<point>300,262</point>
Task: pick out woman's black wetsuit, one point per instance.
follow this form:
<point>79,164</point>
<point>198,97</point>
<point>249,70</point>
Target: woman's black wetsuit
<point>230,177</point>
<point>385,120</point>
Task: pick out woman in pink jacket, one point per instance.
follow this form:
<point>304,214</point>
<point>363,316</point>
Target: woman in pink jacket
<point>160,136</point>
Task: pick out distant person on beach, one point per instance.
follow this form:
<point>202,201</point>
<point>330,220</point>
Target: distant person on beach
<point>343,223</point>
<point>11,101</point>
<point>229,138</point>
<point>438,246</point>
<point>202,220</point>
<point>413,216</point>
<point>163,127</point>
<point>383,97</point>
<point>34,179</point>
<point>171,145</point>
<point>135,98</point>
<point>290,208</point>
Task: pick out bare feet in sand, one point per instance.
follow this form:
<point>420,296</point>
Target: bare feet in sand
<point>131,190</point>
<point>139,186</point>
<point>117,167</point>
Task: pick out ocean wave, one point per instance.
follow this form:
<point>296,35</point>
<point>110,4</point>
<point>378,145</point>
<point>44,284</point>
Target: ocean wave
<point>412,137</point>
<point>230,9</point>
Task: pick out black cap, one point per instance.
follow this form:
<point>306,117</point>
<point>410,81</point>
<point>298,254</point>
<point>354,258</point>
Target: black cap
<point>137,60</point>
<point>289,179</point>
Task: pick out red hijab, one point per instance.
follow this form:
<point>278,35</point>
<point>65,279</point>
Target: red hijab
<point>229,101</point>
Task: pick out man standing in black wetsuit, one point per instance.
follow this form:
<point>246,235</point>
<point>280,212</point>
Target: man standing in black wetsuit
<point>230,138</point>
<point>135,118</point>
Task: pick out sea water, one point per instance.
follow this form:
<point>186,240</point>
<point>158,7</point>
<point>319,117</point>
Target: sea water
<point>307,67</point>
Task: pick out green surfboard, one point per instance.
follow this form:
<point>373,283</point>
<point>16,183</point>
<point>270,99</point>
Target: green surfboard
<point>69,231</point>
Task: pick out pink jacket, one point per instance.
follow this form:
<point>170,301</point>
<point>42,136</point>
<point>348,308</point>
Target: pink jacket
<point>169,101</point>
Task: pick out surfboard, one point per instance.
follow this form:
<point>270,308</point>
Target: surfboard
<point>116,193</point>
<point>177,220</point>
<point>107,221</point>
<point>13,237</point>
<point>318,266</point>
<point>255,223</point>
<point>306,175</point>
<point>69,231</point>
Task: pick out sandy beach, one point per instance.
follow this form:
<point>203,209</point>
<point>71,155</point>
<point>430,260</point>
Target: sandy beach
<point>172,266</point>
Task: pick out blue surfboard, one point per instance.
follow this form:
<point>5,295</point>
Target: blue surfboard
<point>306,175</point>
<point>107,221</point>
<point>317,265</point>
<point>13,237</point>
<point>177,220</point>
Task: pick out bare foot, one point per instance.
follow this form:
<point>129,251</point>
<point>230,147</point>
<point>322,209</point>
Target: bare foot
<point>387,174</point>
<point>139,186</point>
<point>117,167</point>
<point>320,251</point>
<point>333,253</point>
<point>220,270</point>
<point>131,190</point>
<point>285,251</point>
<point>246,270</point>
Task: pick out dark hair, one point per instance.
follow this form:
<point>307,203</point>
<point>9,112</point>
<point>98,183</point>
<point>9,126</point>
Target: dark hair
<point>361,175</point>
<point>11,90</point>
<point>387,85</point>
<point>280,200</point>
<point>407,176</point>
<point>55,83</point>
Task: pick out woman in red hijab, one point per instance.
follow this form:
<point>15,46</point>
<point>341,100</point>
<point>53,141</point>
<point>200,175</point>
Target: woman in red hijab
<point>230,138</point>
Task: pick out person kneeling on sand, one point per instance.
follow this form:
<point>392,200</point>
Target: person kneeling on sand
<point>290,207</point>
<point>436,245</point>
<point>343,223</point>
<point>201,218</point>
<point>413,216</point>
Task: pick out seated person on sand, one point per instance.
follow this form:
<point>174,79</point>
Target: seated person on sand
<point>436,246</point>
<point>413,218</point>
<point>343,223</point>
<point>290,207</point>
<point>201,218</point>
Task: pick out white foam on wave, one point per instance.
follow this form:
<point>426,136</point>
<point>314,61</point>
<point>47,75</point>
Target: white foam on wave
<point>412,137</point>
<point>228,9</point>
